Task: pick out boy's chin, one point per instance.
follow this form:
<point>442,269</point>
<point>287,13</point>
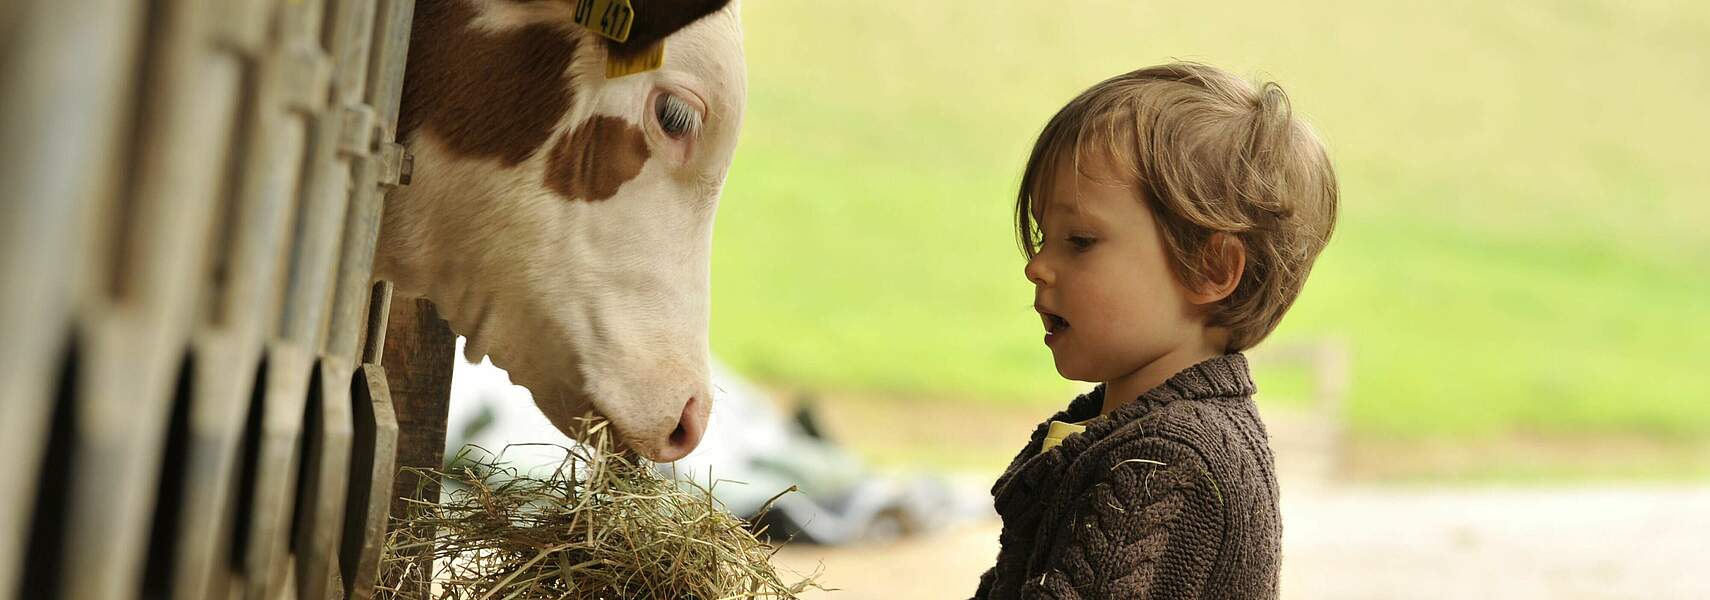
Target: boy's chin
<point>1073,372</point>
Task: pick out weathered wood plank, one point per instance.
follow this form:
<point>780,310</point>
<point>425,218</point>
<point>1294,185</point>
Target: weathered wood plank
<point>224,386</point>
<point>320,193</point>
<point>43,549</point>
<point>171,340</point>
<point>319,230</point>
<point>175,465</point>
<point>226,576</point>
<point>268,487</point>
<point>120,420</point>
<point>247,263</point>
<point>356,263</point>
<point>65,88</point>
<point>372,467</point>
<point>420,349</point>
<point>386,73</point>
<point>154,235</point>
<point>346,182</point>
<point>319,518</point>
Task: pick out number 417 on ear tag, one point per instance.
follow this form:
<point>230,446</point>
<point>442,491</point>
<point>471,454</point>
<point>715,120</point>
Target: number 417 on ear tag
<point>609,18</point>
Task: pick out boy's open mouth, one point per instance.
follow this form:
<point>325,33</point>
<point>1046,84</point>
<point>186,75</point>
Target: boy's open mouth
<point>1054,324</point>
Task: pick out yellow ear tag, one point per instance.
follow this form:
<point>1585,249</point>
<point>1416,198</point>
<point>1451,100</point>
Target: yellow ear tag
<point>612,20</point>
<point>609,18</point>
<point>652,59</point>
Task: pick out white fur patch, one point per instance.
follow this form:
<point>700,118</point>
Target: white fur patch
<point>590,305</point>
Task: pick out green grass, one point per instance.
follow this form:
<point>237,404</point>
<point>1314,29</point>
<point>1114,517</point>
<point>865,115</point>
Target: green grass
<point>1522,246</point>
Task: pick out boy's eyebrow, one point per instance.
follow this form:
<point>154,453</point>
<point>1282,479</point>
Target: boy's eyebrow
<point>1070,207</point>
<point>1076,210</point>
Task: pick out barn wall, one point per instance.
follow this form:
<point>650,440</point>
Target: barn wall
<point>190,194</point>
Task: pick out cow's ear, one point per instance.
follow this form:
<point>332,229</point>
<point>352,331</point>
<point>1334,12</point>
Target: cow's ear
<point>655,19</point>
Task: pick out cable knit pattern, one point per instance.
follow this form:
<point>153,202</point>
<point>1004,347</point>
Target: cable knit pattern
<point>1171,496</point>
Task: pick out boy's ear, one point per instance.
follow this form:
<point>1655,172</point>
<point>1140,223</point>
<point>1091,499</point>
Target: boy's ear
<point>1225,261</point>
<point>655,19</point>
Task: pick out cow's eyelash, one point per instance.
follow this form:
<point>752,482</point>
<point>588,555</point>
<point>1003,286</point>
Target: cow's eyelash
<point>676,117</point>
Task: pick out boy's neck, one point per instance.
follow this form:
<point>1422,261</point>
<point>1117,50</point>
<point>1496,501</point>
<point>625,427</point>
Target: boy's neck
<point>1123,390</point>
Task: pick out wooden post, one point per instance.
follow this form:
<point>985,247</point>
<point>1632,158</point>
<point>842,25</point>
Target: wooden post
<point>371,477</point>
<point>418,357</point>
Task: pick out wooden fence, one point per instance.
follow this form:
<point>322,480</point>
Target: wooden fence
<point>191,402</point>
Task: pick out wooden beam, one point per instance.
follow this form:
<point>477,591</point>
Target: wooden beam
<point>419,351</point>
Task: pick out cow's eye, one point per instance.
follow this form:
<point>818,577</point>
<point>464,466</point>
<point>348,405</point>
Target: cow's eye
<point>676,117</point>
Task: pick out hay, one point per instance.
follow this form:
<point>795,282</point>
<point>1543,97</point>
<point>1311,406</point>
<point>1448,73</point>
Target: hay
<point>601,526</point>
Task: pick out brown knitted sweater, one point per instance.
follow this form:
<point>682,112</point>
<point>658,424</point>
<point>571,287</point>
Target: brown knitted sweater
<point>1171,496</point>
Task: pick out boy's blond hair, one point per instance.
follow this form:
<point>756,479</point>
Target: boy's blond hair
<point>1209,153</point>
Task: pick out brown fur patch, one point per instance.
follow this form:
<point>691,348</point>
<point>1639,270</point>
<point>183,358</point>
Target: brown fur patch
<point>487,95</point>
<point>592,162</point>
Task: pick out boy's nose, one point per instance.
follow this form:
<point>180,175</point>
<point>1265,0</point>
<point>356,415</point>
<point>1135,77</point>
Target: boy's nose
<point>1036,272</point>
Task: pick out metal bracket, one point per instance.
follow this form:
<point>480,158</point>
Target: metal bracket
<point>396,164</point>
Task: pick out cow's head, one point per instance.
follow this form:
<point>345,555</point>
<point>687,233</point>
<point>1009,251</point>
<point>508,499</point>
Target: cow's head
<point>562,220</point>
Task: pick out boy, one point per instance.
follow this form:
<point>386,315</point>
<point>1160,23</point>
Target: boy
<point>1169,217</point>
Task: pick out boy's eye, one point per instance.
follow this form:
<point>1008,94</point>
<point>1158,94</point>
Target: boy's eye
<point>1081,242</point>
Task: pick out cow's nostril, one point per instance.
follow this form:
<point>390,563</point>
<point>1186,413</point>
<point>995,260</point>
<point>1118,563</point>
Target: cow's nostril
<point>680,435</point>
<point>690,426</point>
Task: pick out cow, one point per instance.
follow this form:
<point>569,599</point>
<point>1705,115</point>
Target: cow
<point>560,211</point>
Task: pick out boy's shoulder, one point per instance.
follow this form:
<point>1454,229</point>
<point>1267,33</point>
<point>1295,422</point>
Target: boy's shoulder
<point>1213,429</point>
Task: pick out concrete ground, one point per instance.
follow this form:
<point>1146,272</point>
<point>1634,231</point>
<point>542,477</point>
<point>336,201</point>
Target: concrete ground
<point>1384,543</point>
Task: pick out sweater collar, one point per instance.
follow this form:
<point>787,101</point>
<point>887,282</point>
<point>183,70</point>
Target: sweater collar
<point>1223,376</point>
<point>1219,377</point>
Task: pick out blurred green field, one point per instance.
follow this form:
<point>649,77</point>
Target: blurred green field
<point>1526,191</point>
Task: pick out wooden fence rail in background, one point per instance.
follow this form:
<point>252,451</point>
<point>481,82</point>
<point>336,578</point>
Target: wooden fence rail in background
<point>191,398</point>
